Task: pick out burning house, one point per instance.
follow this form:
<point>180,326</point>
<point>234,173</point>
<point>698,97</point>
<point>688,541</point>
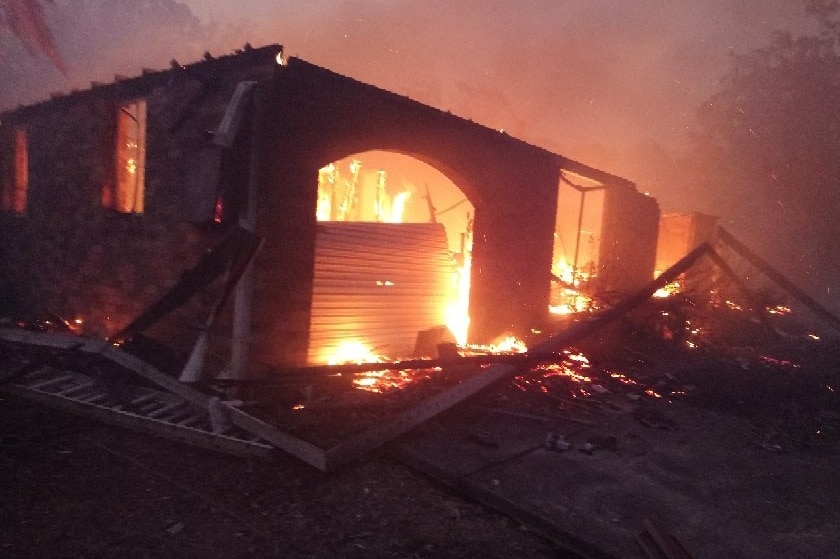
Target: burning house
<point>114,194</point>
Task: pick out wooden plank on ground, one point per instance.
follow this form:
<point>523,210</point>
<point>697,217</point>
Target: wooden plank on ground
<point>303,450</point>
<point>111,352</point>
<point>779,278</point>
<point>299,448</point>
<point>143,424</point>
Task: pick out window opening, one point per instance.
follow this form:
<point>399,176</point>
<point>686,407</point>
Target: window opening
<point>129,192</point>
<point>16,174</point>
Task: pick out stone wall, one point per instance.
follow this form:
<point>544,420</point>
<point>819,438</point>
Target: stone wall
<point>70,256</point>
<point>629,232</point>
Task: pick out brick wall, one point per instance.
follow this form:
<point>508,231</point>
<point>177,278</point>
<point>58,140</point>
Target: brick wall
<point>67,254</point>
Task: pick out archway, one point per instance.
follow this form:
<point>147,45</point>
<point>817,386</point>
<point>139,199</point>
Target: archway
<point>392,259</point>
<point>315,117</point>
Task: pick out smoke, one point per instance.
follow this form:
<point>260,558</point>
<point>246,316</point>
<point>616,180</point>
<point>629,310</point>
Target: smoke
<point>614,84</point>
<point>27,21</point>
<point>568,76</point>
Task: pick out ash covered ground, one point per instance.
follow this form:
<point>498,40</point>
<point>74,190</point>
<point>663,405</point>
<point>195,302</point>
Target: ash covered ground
<point>75,487</point>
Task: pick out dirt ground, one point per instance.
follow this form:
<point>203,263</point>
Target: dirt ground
<point>76,488</point>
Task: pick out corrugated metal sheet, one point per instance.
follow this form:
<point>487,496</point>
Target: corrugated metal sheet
<point>378,283</point>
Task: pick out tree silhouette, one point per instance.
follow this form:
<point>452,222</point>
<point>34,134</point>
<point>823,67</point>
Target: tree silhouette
<point>96,39</point>
<point>26,20</point>
<point>766,150</point>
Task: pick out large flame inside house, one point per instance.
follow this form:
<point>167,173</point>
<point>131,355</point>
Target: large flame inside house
<point>389,264</point>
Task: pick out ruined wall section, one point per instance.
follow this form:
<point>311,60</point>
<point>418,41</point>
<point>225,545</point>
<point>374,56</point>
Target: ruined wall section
<point>69,255</point>
<point>629,232</point>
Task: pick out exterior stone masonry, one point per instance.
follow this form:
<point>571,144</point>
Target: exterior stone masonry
<point>67,254</point>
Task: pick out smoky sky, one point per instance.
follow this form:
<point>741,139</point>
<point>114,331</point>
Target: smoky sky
<point>582,78</point>
<point>589,79</point>
<point>615,84</point>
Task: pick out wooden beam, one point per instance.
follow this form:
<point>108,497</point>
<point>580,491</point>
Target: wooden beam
<point>241,260</point>
<point>231,249</point>
<point>135,422</point>
<point>303,450</point>
<point>755,306</point>
<point>110,352</point>
<point>299,448</point>
<point>594,174</point>
<point>779,278</point>
<point>282,376</point>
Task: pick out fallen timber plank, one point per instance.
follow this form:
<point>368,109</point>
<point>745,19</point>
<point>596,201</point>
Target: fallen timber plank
<point>298,448</point>
<point>111,352</point>
<point>239,263</point>
<point>755,307</point>
<point>521,359</point>
<point>152,426</point>
<point>779,278</point>
<point>355,447</point>
<point>541,524</point>
<point>306,451</point>
<point>232,253</point>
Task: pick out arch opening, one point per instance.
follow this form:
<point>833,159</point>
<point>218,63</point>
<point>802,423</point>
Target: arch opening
<point>393,259</point>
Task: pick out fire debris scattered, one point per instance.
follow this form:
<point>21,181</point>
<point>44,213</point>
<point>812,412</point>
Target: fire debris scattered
<point>699,345</point>
<point>631,359</point>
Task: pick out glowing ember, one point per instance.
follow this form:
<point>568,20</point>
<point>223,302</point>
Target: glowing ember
<point>353,351</point>
<point>779,309</point>
<point>667,290</point>
<point>578,357</point>
<point>733,306</point>
<point>508,344</point>
<point>547,375</point>
<point>623,379</point>
<point>387,380</point>
<point>564,370</point>
<point>778,362</point>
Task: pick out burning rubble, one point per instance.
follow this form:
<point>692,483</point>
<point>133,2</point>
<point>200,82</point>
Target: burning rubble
<point>717,353</point>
